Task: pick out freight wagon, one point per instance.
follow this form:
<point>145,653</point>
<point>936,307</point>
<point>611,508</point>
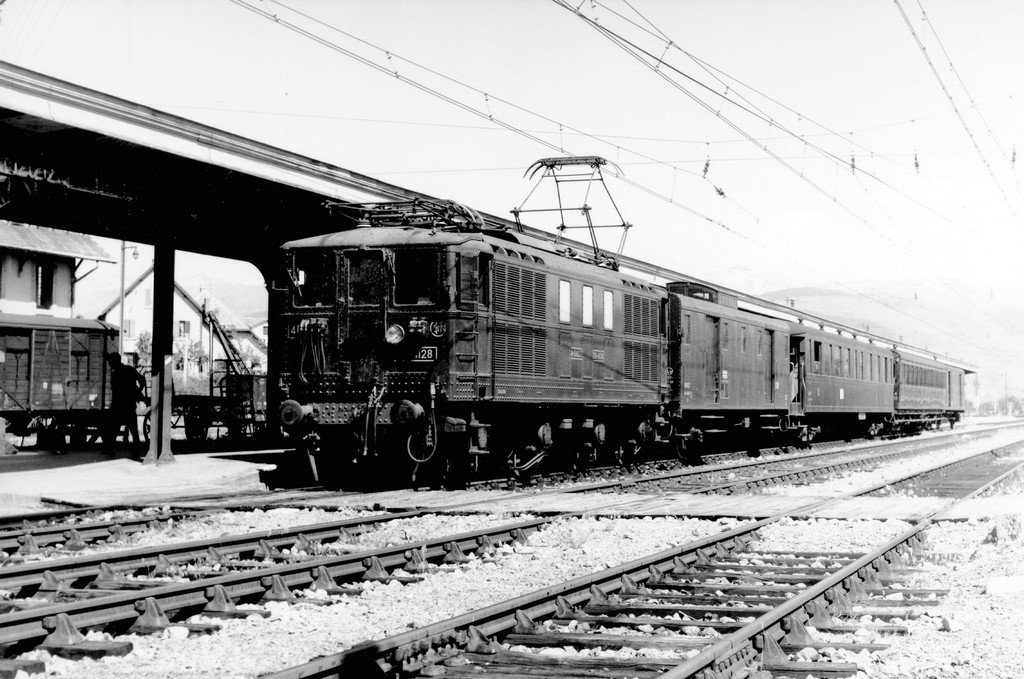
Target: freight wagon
<point>53,376</point>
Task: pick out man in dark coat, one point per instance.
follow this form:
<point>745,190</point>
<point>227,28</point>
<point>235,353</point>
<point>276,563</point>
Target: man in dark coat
<point>127,388</point>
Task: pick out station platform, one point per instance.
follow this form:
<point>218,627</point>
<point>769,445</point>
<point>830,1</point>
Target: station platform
<point>126,482</point>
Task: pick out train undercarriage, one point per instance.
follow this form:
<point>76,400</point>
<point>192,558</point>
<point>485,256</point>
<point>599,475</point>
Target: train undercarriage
<point>402,444</point>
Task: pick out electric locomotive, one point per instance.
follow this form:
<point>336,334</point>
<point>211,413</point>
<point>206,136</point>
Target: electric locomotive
<point>424,345</point>
<point>422,330</point>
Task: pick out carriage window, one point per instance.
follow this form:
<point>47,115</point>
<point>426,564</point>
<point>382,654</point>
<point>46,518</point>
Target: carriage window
<point>416,277</point>
<point>609,310</point>
<point>366,277</point>
<point>564,301</point>
<point>816,357</point>
<point>313,278</point>
<point>588,305</point>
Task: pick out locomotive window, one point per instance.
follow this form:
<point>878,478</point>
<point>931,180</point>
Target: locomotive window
<point>609,310</point>
<point>313,278</point>
<point>416,277</point>
<point>588,305</point>
<point>564,301</point>
<point>366,277</point>
<point>686,328</point>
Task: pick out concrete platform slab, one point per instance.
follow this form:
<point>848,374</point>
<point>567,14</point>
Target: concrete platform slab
<point>124,481</point>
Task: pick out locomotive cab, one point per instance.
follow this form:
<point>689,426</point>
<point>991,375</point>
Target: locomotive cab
<point>371,323</point>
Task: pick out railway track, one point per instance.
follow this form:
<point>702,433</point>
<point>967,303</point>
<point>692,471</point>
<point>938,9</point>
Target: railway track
<point>104,570</point>
<point>102,597</point>
<point>715,606</point>
<point>117,590</point>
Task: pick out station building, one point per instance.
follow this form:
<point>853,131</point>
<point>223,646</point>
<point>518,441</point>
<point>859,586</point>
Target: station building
<point>196,341</point>
<point>40,266</point>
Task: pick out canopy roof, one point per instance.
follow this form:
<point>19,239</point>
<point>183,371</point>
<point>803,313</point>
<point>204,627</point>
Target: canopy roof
<point>15,236</point>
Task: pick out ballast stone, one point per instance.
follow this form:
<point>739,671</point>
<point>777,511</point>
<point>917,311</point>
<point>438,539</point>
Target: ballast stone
<point>1004,584</point>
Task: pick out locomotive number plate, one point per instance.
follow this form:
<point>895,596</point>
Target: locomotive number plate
<point>426,354</point>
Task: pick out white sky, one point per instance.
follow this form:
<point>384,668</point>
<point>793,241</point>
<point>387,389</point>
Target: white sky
<point>945,233</point>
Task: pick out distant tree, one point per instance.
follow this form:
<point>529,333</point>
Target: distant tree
<point>253,359</point>
<point>144,348</point>
<point>190,354</point>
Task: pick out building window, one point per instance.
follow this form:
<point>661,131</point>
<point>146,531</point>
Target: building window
<point>564,301</point>
<point>588,305</point>
<point>149,298</point>
<point>609,310</point>
<point>129,327</point>
<point>44,284</point>
<point>264,329</point>
<point>184,328</point>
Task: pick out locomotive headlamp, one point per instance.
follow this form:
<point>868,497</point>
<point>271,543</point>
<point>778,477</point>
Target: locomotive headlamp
<point>394,334</point>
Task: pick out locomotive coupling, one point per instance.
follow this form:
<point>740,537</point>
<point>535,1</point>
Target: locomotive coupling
<point>294,413</point>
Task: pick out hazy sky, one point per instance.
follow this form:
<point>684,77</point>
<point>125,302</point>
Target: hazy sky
<point>949,231</point>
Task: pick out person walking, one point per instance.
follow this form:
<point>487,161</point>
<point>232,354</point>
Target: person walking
<point>127,388</point>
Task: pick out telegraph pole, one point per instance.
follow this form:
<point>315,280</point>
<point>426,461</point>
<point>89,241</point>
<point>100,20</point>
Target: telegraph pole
<point>120,323</point>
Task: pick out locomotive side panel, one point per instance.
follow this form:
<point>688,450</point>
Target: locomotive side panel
<point>563,332</point>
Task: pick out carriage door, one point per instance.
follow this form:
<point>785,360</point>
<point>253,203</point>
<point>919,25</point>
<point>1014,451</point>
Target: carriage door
<point>712,360</point>
<point>797,374</point>
<point>769,372</point>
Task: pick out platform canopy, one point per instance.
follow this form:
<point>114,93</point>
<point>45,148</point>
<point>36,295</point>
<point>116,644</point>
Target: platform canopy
<point>77,159</point>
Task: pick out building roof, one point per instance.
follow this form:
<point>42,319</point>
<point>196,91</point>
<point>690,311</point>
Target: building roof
<point>52,322</point>
<point>29,238</point>
<point>226,317</point>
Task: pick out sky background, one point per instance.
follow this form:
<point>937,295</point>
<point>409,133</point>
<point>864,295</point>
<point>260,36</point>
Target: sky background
<point>840,220</point>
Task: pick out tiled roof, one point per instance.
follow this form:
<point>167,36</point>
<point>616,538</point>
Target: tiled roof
<point>17,236</point>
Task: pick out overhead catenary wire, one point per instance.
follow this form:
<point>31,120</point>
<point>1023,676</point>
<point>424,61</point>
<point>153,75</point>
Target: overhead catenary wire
<point>963,85</point>
<point>639,54</point>
<point>764,116</point>
<point>483,114</point>
<point>466,107</point>
<point>956,109</point>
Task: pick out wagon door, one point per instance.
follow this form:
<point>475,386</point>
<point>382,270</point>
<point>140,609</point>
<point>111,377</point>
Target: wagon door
<point>712,360</point>
<point>51,358</point>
